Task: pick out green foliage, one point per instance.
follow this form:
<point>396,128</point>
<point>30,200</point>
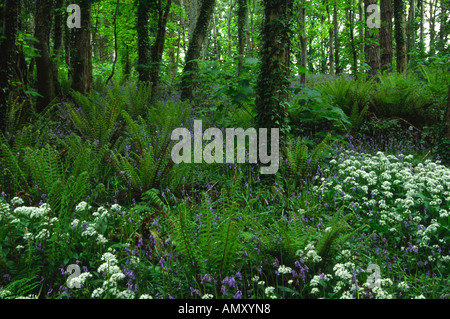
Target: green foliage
<point>95,116</point>
<point>135,98</point>
<point>302,161</point>
<point>401,96</point>
<point>149,164</point>
<point>208,240</point>
<point>357,116</point>
<point>313,106</point>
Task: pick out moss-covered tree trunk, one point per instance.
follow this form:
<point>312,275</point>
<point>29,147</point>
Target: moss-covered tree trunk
<point>9,16</point>
<point>81,53</point>
<point>303,43</point>
<point>386,35</point>
<point>273,83</point>
<point>158,47</point>
<point>44,68</point>
<point>372,48</point>
<point>142,68</point>
<point>60,13</point>
<point>194,49</point>
<point>400,35</point>
<point>242,21</point>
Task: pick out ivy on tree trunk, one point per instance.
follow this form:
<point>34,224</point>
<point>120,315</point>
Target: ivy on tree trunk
<point>273,83</point>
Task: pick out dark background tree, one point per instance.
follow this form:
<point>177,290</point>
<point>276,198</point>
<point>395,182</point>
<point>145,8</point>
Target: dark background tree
<point>44,68</point>
<point>400,36</point>
<point>143,10</point>
<point>81,52</point>
<point>157,49</point>
<point>194,49</point>
<point>386,35</point>
<point>9,15</point>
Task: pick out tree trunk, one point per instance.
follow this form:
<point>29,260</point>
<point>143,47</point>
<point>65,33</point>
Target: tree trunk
<point>143,69</point>
<point>372,48</point>
<point>336,39</point>
<point>81,57</point>
<point>303,41</point>
<point>242,21</point>
<point>193,13</point>
<point>411,29</point>
<point>173,68</point>
<point>230,15</point>
<point>9,14</point>
<point>422,32</point>
<point>432,22</point>
<point>400,41</point>
<point>57,42</point>
<point>351,19</point>
<point>158,48</point>
<point>116,51</point>
<point>362,23</point>
<point>386,35</point>
<point>44,68</point>
<point>444,24</point>
<point>273,82</point>
<point>194,49</point>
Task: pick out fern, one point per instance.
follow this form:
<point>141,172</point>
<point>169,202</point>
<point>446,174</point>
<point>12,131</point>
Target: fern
<point>303,162</point>
<point>329,242</point>
<point>134,98</point>
<point>96,117</point>
<point>357,117</point>
<point>211,243</point>
<point>150,164</point>
<point>45,167</point>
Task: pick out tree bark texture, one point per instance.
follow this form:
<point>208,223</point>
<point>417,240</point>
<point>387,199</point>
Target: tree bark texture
<point>194,49</point>
<point>386,35</point>
<point>273,82</point>
<point>81,54</point>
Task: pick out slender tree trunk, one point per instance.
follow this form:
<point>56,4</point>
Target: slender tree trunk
<point>57,43</point>
<point>336,39</point>
<point>158,48</point>
<point>400,36</point>
<point>273,82</point>
<point>422,32</point>
<point>230,16</point>
<point>143,69</point>
<point>411,30</point>
<point>386,35</point>
<point>351,19</point>
<point>127,68</point>
<point>331,53</point>
<point>251,39</point>
<point>116,51</point>
<point>432,22</point>
<point>362,23</point>
<point>444,24</point>
<point>44,68</point>
<point>242,21</point>
<point>9,15</point>
<point>303,41</point>
<point>81,58</point>
<point>372,48</point>
<point>172,67</point>
<point>194,49</point>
